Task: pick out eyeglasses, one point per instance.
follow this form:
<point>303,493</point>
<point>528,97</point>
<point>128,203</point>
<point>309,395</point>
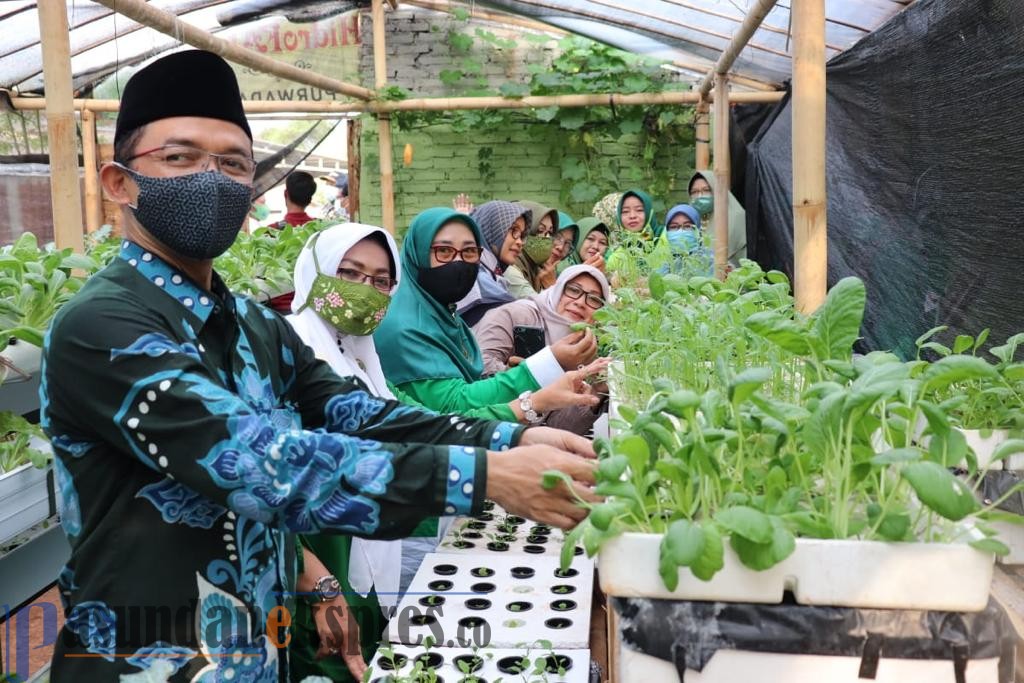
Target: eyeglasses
<point>194,160</point>
<point>575,292</point>
<point>517,234</point>
<point>382,283</point>
<point>560,242</point>
<point>680,226</point>
<point>700,193</point>
<point>446,254</point>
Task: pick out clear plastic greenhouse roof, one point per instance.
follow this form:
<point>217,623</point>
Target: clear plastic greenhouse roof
<point>690,33</point>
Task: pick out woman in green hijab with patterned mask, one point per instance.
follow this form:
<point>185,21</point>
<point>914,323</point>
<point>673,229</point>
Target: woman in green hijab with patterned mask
<point>527,275</point>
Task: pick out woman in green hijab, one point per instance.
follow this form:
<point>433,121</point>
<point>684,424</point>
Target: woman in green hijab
<point>525,276</point>
<point>431,355</point>
<point>635,226</point>
<point>563,253</point>
<point>591,246</point>
<point>702,190</point>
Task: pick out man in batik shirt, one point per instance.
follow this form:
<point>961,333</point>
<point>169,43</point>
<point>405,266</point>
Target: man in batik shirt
<point>193,430</point>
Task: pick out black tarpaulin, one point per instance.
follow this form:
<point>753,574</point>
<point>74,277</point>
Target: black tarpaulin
<point>925,156</point>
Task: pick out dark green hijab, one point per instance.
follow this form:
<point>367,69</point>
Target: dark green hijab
<point>583,229</point>
<point>651,229</point>
<point>419,337</point>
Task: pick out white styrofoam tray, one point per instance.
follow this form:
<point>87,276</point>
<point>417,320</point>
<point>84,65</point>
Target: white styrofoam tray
<point>842,573</point>
<point>732,666</point>
<point>496,532</point>
<point>24,500</point>
<point>519,599</point>
<point>491,664</point>
<point>984,444</point>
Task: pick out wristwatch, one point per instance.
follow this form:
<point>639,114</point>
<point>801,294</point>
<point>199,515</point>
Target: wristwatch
<point>326,588</point>
<point>526,405</point>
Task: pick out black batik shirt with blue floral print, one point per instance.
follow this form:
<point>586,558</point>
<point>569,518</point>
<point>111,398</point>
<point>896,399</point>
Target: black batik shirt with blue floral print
<point>193,431</point>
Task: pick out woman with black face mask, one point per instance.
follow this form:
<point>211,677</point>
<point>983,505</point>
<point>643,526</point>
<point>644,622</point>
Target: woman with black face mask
<point>429,353</point>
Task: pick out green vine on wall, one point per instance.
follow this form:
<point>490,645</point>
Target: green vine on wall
<point>579,66</point>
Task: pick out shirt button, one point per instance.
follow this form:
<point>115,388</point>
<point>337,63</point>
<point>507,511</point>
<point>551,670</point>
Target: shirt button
<point>216,310</point>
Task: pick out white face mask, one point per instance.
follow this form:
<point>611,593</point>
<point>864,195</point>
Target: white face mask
<point>331,193</point>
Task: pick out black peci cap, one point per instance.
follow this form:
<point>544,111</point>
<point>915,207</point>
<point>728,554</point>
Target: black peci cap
<point>188,83</point>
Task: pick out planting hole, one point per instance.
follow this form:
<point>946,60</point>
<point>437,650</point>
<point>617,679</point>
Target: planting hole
<point>472,622</point>
<point>422,619</point>
<point>430,660</point>
<point>440,585</point>
<point>506,538</point>
<point>387,664</point>
<point>431,600</point>
<point>578,550</point>
<point>513,623</point>
<point>566,573</point>
<point>514,519</point>
<point>541,530</point>
<point>482,572</point>
<point>497,546</point>
<point>563,589</point>
<point>537,539</point>
<point>558,623</point>
<point>563,605</point>
<point>478,603</point>
<point>485,517</point>
<point>533,549</point>
<point>513,665</point>
<point>462,545</point>
<point>482,587</point>
<point>522,572</point>
<point>476,525</point>
<point>519,606</point>
<point>469,663</point>
<point>554,664</point>
<point>488,505</point>
<point>472,534</point>
<point>445,569</point>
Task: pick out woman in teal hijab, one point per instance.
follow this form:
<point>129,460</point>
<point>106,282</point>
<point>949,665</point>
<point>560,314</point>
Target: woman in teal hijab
<point>563,253</point>
<point>636,226</point>
<point>590,247</point>
<point>429,353</point>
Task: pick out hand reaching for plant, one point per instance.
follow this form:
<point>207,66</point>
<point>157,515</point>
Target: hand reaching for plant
<point>514,481</point>
<point>575,349</point>
<point>339,634</point>
<point>571,389</point>
<point>462,204</point>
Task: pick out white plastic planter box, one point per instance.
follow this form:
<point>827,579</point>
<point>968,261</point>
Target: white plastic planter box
<point>731,666</point>
<point>496,601</point>
<point>487,664</point>
<point>984,443</point>
<point>841,573</point>
<point>24,500</point>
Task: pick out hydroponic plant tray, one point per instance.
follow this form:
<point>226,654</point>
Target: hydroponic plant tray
<point>496,601</point>
<point>496,532</point>
<point>24,500</point>
<point>483,665</point>
<point>843,573</point>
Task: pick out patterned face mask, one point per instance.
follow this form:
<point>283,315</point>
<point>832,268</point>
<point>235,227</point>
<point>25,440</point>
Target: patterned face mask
<point>354,308</point>
<point>196,215</point>
<point>538,248</point>
<point>704,204</point>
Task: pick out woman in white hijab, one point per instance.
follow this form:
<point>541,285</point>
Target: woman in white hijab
<point>578,292</point>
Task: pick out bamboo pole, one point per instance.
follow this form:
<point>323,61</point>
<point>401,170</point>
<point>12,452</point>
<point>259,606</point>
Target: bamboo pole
<point>723,179</point>
<point>380,72</point>
<point>169,24</point>
<point>355,162</point>
<point>702,123</point>
<point>93,200</point>
<point>743,34</point>
<point>447,103</point>
<point>810,229</point>
<point>65,194</point>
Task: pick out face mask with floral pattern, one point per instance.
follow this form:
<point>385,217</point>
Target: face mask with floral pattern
<point>354,308</point>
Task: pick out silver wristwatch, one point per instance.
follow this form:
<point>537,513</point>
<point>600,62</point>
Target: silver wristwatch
<point>326,588</point>
<point>526,405</point>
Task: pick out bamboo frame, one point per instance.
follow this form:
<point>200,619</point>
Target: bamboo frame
<point>355,157</point>
<point>723,178</point>
<point>93,198</point>
<point>810,224</point>
<point>380,72</point>
<point>169,24</point>
<point>446,103</point>
<point>739,40</point>
<point>65,194</point>
<point>702,124</point>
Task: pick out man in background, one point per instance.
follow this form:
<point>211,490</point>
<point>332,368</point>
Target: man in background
<point>299,189</point>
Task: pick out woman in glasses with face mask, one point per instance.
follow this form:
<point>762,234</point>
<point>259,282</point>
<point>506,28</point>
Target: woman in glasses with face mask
<point>702,198</point>
<point>531,272</point>
<point>577,293</point>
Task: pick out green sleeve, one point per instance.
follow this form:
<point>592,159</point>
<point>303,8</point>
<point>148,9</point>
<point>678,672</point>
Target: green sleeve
<point>456,395</point>
<point>498,411</point>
